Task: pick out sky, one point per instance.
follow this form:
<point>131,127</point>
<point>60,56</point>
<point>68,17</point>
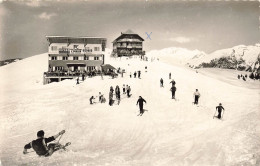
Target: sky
<point>203,25</point>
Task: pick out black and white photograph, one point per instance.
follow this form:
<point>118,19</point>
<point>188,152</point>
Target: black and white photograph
<point>129,83</point>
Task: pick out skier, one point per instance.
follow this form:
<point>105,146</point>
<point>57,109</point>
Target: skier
<point>100,96</point>
<point>130,75</point>
<point>173,90</point>
<point>83,77</point>
<point>196,95</point>
<point>173,82</point>
<point>141,105</point>
<point>117,91</point>
<point>170,76</point>
<point>135,74</point>
<point>123,88</point>
<point>110,98</point>
<point>238,76</point>
<point>128,90</point>
<point>40,144</point>
<point>139,74</point>
<point>77,81</point>
<point>91,99</point>
<point>161,82</point>
<point>220,108</point>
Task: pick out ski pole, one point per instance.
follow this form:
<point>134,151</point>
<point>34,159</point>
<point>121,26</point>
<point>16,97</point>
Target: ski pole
<point>214,114</point>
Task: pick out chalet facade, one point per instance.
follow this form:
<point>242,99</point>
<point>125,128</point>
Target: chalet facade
<point>70,57</point>
<point>70,54</point>
<point>128,44</point>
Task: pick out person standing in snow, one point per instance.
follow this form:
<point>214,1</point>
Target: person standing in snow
<point>91,99</point>
<point>128,90</point>
<point>173,90</point>
<point>139,74</point>
<point>99,96</point>
<point>130,75</point>
<point>40,144</point>
<point>135,74</point>
<point>123,88</point>
<point>117,91</point>
<point>141,105</point>
<point>110,98</point>
<point>170,76</point>
<point>161,82</point>
<point>220,108</point>
<point>196,96</point>
<point>83,77</point>
<point>77,81</point>
<point>173,82</point>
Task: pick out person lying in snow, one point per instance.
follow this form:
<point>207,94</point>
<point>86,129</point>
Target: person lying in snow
<point>40,144</point>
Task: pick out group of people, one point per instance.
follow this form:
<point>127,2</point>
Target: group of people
<point>126,90</point>
<point>138,73</point>
<point>101,99</point>
<point>243,77</point>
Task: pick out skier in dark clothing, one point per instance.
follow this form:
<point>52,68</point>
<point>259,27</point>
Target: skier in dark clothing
<point>40,144</point>
<point>141,105</point>
<point>139,74</point>
<point>128,90</point>
<point>117,91</point>
<point>83,77</point>
<point>220,108</point>
<point>77,80</point>
<point>170,75</point>
<point>161,82</point>
<point>135,74</point>
<point>238,76</point>
<point>173,90</point>
<point>91,99</point>
<point>124,89</point>
<point>110,98</point>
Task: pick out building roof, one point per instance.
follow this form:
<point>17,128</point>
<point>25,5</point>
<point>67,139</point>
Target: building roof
<point>107,66</point>
<point>128,32</point>
<point>70,37</point>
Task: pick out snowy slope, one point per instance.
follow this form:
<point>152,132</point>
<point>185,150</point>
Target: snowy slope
<point>169,133</point>
<point>248,53</point>
<point>175,54</point>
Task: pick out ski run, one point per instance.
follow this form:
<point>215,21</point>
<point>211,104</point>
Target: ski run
<point>170,132</point>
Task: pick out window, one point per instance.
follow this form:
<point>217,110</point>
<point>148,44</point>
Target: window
<point>58,68</point>
<point>96,49</point>
<point>65,58</point>
<point>54,48</point>
<point>96,58</point>
<point>86,58</point>
<point>91,68</point>
<point>53,58</point>
<point>75,58</point>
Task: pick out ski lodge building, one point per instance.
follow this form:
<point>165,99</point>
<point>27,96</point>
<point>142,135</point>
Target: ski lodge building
<point>70,55</point>
<point>128,44</point>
